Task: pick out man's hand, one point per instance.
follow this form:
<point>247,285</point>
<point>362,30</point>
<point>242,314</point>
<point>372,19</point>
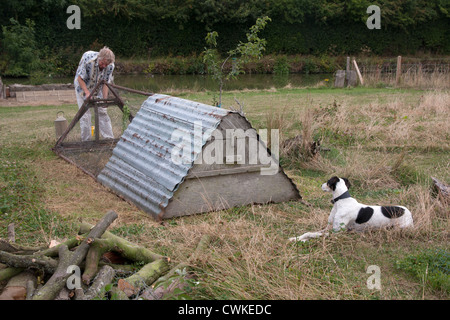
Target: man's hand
<point>84,88</point>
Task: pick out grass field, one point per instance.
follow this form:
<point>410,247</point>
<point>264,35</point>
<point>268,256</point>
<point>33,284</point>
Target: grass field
<point>388,142</point>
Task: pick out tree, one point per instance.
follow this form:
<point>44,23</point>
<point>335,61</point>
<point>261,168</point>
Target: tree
<point>19,46</point>
<point>244,52</point>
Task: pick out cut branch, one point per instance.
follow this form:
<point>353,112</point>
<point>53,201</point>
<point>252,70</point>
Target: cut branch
<point>7,246</point>
<point>92,260</point>
<point>28,261</point>
<point>10,272</point>
<point>104,277</point>
<point>130,250</point>
<point>113,243</point>
<point>16,289</point>
<point>59,278</point>
<point>11,233</point>
<point>144,277</point>
<point>53,251</point>
<point>88,250</point>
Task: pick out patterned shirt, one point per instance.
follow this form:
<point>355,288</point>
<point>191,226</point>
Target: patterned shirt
<point>90,73</point>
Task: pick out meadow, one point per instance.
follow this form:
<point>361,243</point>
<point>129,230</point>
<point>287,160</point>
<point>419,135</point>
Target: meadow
<point>388,142</point>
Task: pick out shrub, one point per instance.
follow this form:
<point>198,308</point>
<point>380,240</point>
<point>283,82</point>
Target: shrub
<point>19,46</point>
<point>281,66</point>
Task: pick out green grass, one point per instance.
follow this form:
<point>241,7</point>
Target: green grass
<point>430,266</point>
<point>21,204</point>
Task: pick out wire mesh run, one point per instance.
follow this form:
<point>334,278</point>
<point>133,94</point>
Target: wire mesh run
<point>91,156</point>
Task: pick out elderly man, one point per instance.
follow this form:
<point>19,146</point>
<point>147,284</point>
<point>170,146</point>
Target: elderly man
<point>93,67</point>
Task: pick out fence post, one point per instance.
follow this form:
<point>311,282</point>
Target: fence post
<point>1,89</point>
<point>347,71</point>
<point>357,72</point>
<point>399,70</point>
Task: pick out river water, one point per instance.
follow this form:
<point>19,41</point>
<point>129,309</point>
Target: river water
<point>162,83</point>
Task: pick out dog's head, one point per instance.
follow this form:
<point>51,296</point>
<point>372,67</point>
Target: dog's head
<point>336,183</point>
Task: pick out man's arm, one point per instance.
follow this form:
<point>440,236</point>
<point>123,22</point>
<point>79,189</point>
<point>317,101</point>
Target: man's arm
<point>109,72</point>
<point>84,87</point>
<point>105,91</point>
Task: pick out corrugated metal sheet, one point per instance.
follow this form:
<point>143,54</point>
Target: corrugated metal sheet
<point>141,168</point>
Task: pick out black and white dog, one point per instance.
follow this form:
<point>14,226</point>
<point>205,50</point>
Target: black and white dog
<point>349,214</point>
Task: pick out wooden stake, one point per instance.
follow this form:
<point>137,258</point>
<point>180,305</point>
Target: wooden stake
<point>347,71</point>
<point>357,71</point>
<point>11,233</point>
<point>2,96</point>
<point>399,70</point>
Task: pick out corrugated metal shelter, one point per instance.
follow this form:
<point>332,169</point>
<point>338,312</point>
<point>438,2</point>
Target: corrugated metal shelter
<point>178,157</point>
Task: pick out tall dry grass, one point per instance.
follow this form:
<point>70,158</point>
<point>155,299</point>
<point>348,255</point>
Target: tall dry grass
<point>410,79</point>
<point>248,261</point>
<point>251,259</point>
<point>376,146</point>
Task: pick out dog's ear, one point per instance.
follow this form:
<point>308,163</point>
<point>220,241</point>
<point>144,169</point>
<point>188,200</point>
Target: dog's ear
<point>347,183</point>
<point>332,182</point>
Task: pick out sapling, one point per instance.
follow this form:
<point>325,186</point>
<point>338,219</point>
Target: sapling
<point>243,53</point>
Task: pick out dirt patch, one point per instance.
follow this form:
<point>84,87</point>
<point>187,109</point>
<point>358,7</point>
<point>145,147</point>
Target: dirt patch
<point>75,195</point>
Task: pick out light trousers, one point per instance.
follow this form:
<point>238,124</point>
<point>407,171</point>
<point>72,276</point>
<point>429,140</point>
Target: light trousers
<point>104,122</point>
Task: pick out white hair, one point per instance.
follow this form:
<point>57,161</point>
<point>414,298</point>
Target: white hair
<point>106,54</point>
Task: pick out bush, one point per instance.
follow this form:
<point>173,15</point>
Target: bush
<point>20,49</point>
<point>281,66</point>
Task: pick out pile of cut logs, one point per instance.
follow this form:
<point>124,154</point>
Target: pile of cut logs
<point>83,266</point>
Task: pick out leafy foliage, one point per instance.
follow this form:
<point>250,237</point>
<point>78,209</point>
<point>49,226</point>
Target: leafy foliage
<point>20,48</point>
<point>125,117</point>
<point>155,28</point>
<point>244,52</point>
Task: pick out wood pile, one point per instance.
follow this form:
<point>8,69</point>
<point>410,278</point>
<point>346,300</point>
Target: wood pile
<point>82,267</point>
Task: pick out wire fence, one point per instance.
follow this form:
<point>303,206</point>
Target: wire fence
<point>410,73</point>
<point>391,68</point>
